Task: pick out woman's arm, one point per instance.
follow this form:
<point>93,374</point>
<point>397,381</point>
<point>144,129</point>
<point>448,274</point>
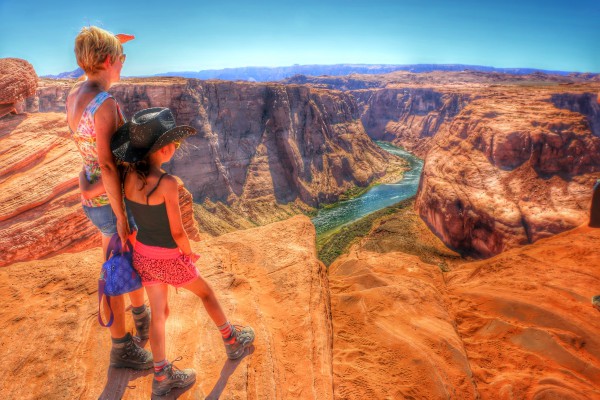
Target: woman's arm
<point>90,190</point>
<point>106,121</point>
<point>174,213</point>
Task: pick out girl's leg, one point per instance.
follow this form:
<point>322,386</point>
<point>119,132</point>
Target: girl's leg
<point>235,338</point>
<point>165,378</point>
<point>157,294</point>
<point>203,290</point>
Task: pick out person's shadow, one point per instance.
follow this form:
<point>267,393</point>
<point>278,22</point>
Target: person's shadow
<point>228,368</point>
<point>118,380</point>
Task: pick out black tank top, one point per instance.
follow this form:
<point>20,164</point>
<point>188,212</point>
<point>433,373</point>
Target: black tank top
<point>152,222</point>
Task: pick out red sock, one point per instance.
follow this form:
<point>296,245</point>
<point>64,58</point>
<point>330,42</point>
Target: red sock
<point>159,366</point>
<point>226,330</point>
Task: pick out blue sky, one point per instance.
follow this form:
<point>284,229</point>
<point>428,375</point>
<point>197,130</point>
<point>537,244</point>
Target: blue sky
<point>180,35</point>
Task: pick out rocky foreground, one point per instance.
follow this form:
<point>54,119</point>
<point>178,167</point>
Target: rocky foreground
<point>52,346</point>
<point>383,324</point>
<point>516,326</point>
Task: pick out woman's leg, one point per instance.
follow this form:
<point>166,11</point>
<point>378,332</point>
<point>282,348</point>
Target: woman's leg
<point>137,297</point>
<point>157,294</point>
<point>203,290</point>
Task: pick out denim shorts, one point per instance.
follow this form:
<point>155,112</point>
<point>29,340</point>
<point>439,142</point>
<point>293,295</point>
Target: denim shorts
<point>105,219</point>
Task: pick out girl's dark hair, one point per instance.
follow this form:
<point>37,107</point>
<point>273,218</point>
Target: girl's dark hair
<point>141,168</point>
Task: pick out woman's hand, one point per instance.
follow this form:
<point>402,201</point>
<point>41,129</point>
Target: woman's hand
<point>193,257</point>
<point>90,190</point>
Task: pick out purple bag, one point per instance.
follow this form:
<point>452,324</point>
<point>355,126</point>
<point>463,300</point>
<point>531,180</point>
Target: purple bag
<point>118,275</point>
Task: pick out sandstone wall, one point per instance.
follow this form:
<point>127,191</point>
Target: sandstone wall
<point>408,117</point>
<point>509,170</point>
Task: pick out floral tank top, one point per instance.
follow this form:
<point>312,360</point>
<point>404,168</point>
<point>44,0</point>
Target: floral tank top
<point>85,139</point>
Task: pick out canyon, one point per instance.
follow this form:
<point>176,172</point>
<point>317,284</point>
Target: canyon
<point>262,153</point>
<point>509,163</point>
<point>267,151</point>
<point>509,159</point>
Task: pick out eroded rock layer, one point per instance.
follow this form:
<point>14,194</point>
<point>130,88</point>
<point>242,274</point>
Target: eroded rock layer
<point>18,81</point>
<point>267,277</point>
<point>509,170</point>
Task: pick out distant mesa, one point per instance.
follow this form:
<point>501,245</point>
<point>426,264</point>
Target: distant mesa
<point>271,74</point>
<point>18,81</point>
<point>76,73</point>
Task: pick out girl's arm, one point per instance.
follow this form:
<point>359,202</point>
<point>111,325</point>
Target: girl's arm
<point>90,190</point>
<point>174,213</point>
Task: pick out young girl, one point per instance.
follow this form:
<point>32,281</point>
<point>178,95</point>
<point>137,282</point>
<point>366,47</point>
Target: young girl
<point>162,253</point>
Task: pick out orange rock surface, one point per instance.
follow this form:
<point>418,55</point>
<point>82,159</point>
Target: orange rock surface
<point>527,322</point>
<point>52,346</point>
<point>393,337</point>
<point>519,325</point>
<point>18,81</point>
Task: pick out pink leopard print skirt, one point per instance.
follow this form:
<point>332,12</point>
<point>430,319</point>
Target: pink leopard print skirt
<point>161,265</point>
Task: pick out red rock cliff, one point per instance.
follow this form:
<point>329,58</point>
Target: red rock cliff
<point>256,143</point>
<point>408,117</point>
<point>511,168</point>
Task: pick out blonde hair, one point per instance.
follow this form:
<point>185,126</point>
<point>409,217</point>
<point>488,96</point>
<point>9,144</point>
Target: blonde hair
<point>92,45</point>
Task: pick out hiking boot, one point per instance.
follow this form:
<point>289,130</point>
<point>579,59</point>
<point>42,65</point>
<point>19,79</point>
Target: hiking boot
<point>244,336</point>
<point>173,379</point>
<point>596,302</point>
<point>142,324</point>
<point>130,355</point>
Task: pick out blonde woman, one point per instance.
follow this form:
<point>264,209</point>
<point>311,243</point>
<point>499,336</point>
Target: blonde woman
<point>93,116</point>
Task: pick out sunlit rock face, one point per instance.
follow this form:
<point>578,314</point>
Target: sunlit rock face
<point>18,81</point>
<point>509,170</point>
